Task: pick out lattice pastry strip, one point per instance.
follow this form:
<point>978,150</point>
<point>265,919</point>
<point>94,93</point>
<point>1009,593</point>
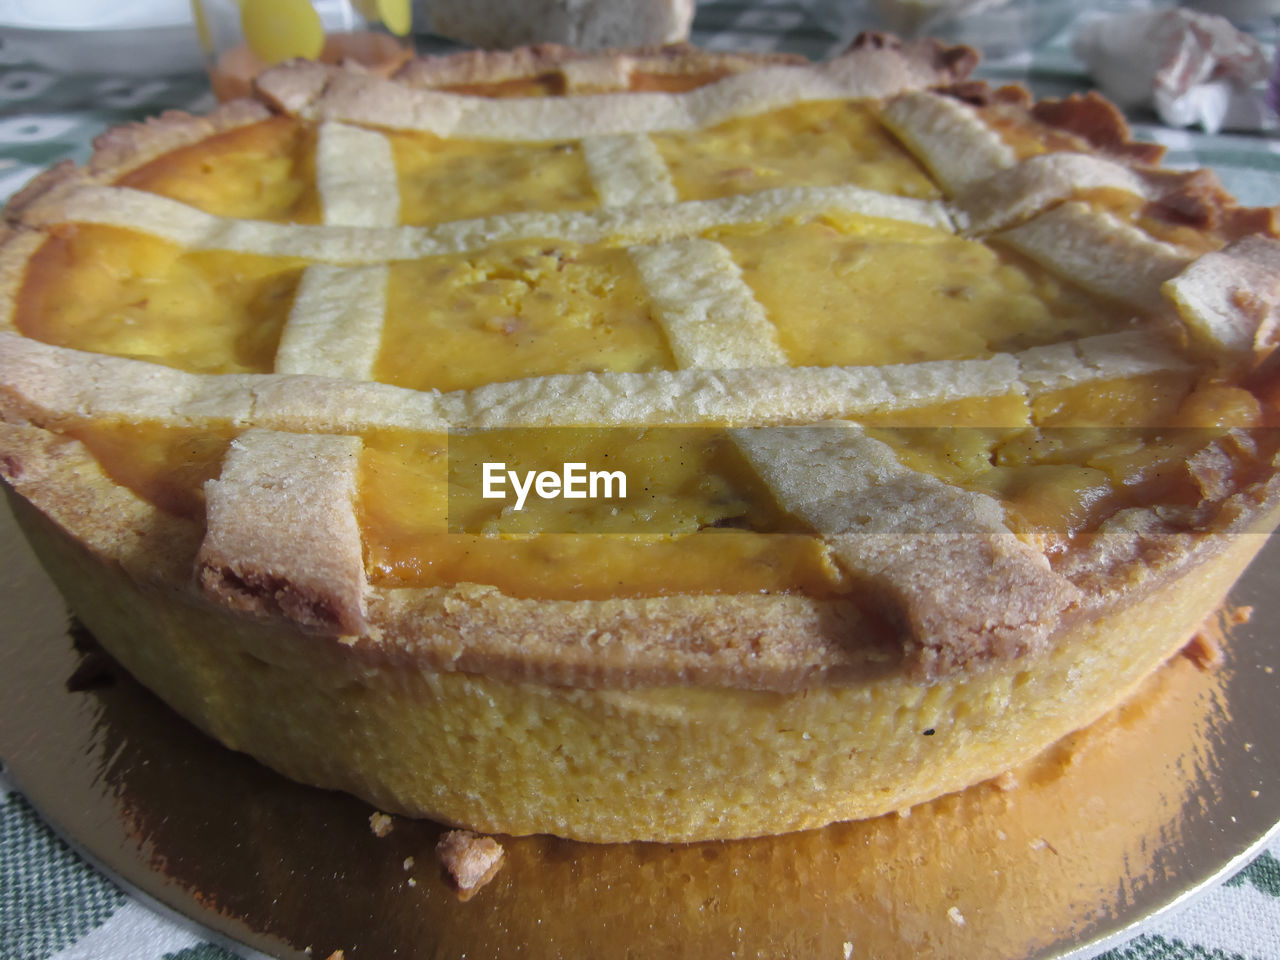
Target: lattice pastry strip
<point>1230,300</point>
<point>281,527</point>
<point>710,315</point>
<point>949,138</point>
<point>67,386</point>
<point>983,175</point>
<point>1030,204</point>
<point>627,170</point>
<point>194,229</point>
<point>335,326</point>
<point>909,533</point>
<point>1017,193</point>
<point>1114,356</point>
<point>321,94</point>
<point>1101,253</point>
<point>301,486</point>
<point>356,177</point>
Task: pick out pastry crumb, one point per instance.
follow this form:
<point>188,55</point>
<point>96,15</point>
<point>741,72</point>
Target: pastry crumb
<point>470,859</point>
<point>408,863</point>
<point>955,916</point>
<point>1204,650</point>
<point>413,882</point>
<point>336,955</point>
<point>380,824</point>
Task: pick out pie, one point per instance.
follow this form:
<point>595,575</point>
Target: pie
<point>945,417</point>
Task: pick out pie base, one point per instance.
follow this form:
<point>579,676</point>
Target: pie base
<point>658,763</point>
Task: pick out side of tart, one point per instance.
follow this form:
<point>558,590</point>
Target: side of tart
<point>952,412</point>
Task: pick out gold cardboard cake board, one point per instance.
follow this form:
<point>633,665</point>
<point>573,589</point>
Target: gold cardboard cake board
<point>1106,828</point>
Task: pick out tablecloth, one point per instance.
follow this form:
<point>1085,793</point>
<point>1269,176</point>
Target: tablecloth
<point>54,905</point>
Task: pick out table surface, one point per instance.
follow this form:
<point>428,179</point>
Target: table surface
<point>54,905</point>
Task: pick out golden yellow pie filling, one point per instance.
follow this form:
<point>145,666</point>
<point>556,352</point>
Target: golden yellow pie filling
<point>780,249</point>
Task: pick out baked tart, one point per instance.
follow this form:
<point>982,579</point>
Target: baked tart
<point>946,418</point>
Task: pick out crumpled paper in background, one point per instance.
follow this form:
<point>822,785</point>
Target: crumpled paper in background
<point>1194,69</point>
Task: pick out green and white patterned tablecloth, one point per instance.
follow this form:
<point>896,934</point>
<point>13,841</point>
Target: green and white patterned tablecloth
<point>54,905</point>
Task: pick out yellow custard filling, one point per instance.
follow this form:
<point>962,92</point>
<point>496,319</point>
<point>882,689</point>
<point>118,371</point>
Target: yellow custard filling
<point>524,309</point>
<point>855,291</point>
<point>840,290</point>
<point>166,465</point>
<point>662,480</point>
<point>808,145</point>
<point>1091,450</point>
<point>443,180</point>
<point>672,542</point>
<point>113,291</point>
<point>262,171</point>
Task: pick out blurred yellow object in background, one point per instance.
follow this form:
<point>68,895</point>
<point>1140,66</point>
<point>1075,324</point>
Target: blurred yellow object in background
<point>279,30</point>
<point>241,38</point>
<point>395,15</point>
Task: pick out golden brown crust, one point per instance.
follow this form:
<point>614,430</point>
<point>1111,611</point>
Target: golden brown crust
<point>877,66</point>
<point>479,67</point>
<point>1099,123</point>
<point>38,187</point>
<point>951,627</point>
<point>1089,117</point>
<point>772,643</point>
<point>67,484</point>
<point>756,642</point>
<point>123,149</point>
<point>559,69</point>
<point>980,93</point>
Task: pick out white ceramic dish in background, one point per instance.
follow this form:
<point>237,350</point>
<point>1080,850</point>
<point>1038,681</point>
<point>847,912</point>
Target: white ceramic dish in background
<point>147,51</point>
<point>125,37</point>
